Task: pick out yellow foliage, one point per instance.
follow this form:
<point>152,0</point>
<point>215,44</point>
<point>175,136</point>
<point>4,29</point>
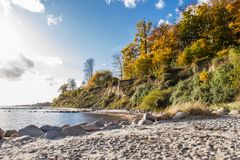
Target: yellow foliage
<point>223,53</point>
<point>143,65</point>
<point>203,76</point>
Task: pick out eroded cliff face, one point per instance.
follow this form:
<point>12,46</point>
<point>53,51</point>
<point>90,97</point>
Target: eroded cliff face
<point>111,96</point>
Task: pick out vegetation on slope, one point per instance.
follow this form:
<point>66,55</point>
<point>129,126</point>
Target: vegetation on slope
<point>194,60</point>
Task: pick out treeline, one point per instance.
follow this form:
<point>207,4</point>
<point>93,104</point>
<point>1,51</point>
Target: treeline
<point>196,59</point>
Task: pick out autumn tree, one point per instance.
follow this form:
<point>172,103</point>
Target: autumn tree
<point>129,54</point>
<point>100,78</point>
<point>143,31</point>
<point>88,68</point>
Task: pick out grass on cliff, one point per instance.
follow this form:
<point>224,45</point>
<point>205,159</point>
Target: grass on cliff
<point>192,108</point>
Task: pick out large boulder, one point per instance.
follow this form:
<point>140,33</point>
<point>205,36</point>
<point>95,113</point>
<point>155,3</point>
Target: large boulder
<point>1,133</point>
<point>9,133</point>
<point>76,130</point>
<point>46,128</point>
<point>53,134</point>
<point>180,115</point>
<point>144,122</point>
<point>31,130</point>
<point>99,123</point>
<point>148,116</point>
<point>90,128</point>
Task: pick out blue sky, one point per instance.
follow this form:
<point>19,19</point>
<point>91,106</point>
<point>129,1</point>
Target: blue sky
<point>49,40</point>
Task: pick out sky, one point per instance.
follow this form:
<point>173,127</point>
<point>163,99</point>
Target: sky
<point>43,43</point>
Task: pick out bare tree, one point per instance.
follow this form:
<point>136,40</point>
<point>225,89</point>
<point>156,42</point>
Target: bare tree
<point>63,88</point>
<point>72,84</point>
<point>88,68</point>
<point>118,64</point>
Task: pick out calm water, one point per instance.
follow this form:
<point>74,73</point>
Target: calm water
<point>19,118</point>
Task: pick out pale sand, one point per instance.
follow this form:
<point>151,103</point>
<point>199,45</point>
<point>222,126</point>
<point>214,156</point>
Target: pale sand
<point>216,139</point>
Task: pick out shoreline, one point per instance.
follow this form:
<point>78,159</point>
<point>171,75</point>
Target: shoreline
<point>183,139</point>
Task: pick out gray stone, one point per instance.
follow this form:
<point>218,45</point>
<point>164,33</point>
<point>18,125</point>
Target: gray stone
<point>148,116</point>
<point>134,123</point>
<point>99,123</point>
<point>45,128</point>
<point>179,115</point>
<point>90,127</point>
<point>31,130</point>
<point>234,112</point>
<point>144,122</point>
<point>76,130</point>
<point>1,133</point>
<point>9,133</point>
<point>53,134</point>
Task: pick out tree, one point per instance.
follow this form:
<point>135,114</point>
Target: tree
<point>129,54</point>
<point>63,88</point>
<point>118,64</point>
<point>72,84</point>
<point>143,31</point>
<point>88,68</point>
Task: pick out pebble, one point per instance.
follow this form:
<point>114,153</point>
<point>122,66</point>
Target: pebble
<point>187,139</point>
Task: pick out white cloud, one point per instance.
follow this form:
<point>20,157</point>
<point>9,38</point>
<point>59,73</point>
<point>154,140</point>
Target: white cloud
<point>203,1</point>
<point>52,20</point>
<point>160,4</point>
<point>127,3</point>
<point>169,15</point>
<point>162,21</point>
<point>180,2</point>
<point>29,5</point>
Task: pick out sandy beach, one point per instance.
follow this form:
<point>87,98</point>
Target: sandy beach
<point>216,139</point>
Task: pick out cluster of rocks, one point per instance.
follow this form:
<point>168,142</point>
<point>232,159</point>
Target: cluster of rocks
<point>216,139</point>
<point>54,132</point>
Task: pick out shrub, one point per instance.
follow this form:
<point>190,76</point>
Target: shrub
<point>192,108</point>
<point>221,84</point>
<point>203,76</point>
<point>100,78</point>
<point>156,100</point>
<point>140,92</point>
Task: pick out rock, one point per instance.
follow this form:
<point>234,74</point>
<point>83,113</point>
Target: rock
<point>112,125</point>
<point>15,135</point>
<point>162,116</point>
<point>22,138</point>
<point>76,130</point>
<point>91,128</point>
<point>179,115</point>
<point>220,112</point>
<point>9,133</point>
<point>45,128</point>
<point>144,122</point>
<point>53,134</point>
<point>64,126</point>
<point>134,123</point>
<point>1,133</point>
<point>31,130</point>
<point>99,123</point>
<point>124,123</point>
<point>148,116</point>
<point>234,112</point>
